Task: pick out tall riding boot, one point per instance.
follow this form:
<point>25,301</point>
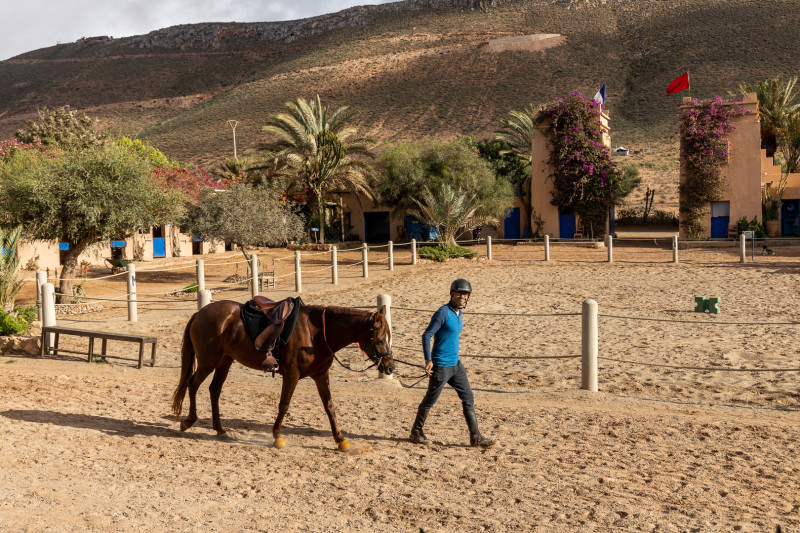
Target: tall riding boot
<point>417,436</point>
<point>475,437</point>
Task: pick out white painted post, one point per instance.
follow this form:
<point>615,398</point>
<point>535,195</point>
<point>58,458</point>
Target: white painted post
<point>253,275</point>
<point>489,247</point>
<point>334,265</point>
<point>610,245</point>
<point>589,346</point>
<point>742,248</point>
<point>364,259</point>
<point>48,314</point>
<point>413,251</point>
<point>41,279</point>
<point>203,298</point>
<point>385,299</point>
<point>675,249</point>
<point>547,247</point>
<point>133,315</point>
<point>391,255</point>
<point>298,277</point>
<point>201,275</point>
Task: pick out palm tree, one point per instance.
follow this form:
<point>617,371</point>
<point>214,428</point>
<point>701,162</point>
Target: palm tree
<point>518,130</point>
<point>450,210</point>
<point>320,149</point>
<point>10,281</point>
<point>776,102</point>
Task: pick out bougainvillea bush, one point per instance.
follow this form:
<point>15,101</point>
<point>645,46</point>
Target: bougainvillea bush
<point>583,174</point>
<point>705,126</point>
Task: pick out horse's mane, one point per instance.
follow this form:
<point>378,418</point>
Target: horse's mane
<point>342,310</point>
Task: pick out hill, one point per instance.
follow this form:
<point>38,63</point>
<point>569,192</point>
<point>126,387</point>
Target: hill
<point>413,68</point>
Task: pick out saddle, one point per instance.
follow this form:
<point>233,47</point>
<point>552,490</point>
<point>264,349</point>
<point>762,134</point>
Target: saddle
<point>270,325</point>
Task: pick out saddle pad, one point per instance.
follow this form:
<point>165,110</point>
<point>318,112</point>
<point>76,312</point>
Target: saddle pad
<point>255,321</point>
<point>290,323</point>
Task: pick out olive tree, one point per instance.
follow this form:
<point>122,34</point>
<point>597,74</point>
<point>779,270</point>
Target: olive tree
<point>85,197</point>
<point>244,215</point>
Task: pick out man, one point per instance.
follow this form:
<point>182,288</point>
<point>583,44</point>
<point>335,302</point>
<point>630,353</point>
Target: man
<point>444,367</point>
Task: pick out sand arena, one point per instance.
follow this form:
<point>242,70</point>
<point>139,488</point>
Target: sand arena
<point>92,447</point>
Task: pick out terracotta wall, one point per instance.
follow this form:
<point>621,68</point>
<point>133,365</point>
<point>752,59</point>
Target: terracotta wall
<point>743,171</point>
<point>542,183</point>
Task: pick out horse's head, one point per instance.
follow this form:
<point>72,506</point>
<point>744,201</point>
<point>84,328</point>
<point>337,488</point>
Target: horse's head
<point>379,348</point>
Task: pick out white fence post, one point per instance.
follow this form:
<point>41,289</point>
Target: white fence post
<point>203,298</point>
<point>742,248</point>
<point>201,275</point>
<point>547,247</point>
<point>610,244</point>
<point>334,265</point>
<point>674,248</point>
<point>133,315</point>
<point>41,279</point>
<point>298,277</point>
<point>253,275</point>
<point>48,314</point>
<point>385,299</point>
<point>413,251</point>
<point>364,260</point>
<point>489,247</point>
<point>589,345</point>
<point>391,255</point>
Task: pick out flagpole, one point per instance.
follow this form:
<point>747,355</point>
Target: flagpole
<point>689,82</point>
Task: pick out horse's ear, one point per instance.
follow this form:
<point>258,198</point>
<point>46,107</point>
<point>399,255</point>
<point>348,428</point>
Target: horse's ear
<point>382,310</point>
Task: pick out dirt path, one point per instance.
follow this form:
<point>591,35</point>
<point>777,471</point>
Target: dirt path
<point>92,447</point>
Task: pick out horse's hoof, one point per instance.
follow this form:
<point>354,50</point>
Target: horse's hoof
<point>279,443</point>
<point>184,425</point>
<point>224,436</point>
<point>344,446</point>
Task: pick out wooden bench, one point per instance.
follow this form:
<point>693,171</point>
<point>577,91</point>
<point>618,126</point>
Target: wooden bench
<point>57,331</point>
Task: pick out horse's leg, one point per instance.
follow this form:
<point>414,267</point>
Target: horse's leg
<point>324,388</point>
<point>290,380</point>
<point>194,383</point>
<point>216,388</point>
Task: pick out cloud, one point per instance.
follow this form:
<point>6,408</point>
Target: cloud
<point>28,25</point>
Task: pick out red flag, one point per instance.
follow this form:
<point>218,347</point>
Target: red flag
<point>680,83</point>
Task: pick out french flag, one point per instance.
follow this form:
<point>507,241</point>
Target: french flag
<point>600,97</point>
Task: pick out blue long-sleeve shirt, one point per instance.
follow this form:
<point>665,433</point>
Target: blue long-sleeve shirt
<point>445,328</point>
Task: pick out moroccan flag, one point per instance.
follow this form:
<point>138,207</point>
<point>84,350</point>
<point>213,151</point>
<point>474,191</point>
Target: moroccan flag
<point>681,83</point>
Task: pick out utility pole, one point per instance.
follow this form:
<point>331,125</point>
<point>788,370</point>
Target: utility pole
<point>233,124</point>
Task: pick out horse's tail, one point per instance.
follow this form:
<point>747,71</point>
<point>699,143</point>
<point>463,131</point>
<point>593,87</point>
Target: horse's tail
<point>187,366</point>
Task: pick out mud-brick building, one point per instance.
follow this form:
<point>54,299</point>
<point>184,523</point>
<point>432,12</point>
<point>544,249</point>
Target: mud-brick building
<point>559,221</point>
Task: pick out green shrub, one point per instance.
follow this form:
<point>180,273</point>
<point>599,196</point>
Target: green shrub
<point>437,253</point>
<point>758,229</point>
<point>12,325</point>
<point>28,313</point>
<point>189,288</point>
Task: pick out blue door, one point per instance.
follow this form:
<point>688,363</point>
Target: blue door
<point>511,224</point>
<point>720,219</point>
<point>159,247</point>
<point>790,217</point>
<point>566,223</point>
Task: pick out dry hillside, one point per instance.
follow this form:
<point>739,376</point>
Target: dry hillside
<point>413,68</point>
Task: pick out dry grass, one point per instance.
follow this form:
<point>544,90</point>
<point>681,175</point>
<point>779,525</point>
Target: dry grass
<point>424,73</point>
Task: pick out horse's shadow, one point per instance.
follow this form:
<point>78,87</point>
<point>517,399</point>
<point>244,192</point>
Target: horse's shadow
<point>245,428</point>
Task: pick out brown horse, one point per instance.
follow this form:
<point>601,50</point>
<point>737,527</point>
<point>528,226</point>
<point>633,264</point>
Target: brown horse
<point>215,336</point>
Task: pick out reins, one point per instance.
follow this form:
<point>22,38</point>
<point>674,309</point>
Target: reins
<point>325,338</point>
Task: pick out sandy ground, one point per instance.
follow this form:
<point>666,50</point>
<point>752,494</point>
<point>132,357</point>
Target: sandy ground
<point>714,447</point>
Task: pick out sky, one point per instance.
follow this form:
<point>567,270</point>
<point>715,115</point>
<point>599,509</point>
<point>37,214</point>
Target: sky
<point>27,25</point>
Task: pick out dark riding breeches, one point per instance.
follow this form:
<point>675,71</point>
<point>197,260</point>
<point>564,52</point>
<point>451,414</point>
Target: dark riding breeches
<point>456,377</point>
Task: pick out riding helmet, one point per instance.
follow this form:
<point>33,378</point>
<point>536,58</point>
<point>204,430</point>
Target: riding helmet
<point>461,285</point>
